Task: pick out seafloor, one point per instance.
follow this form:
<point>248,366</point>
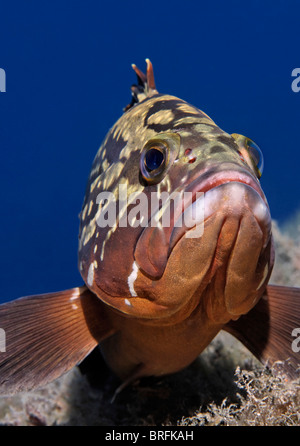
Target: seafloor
<point>224,386</point>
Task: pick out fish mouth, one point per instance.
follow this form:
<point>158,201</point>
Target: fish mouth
<point>230,191</point>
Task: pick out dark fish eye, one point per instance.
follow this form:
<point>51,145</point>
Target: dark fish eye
<point>157,157</point>
<point>153,159</point>
<point>256,156</point>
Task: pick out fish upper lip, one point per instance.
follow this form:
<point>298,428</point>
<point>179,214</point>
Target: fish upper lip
<point>228,174</point>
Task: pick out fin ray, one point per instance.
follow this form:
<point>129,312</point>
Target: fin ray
<point>46,335</point>
<point>267,329</point>
<point>145,85</point>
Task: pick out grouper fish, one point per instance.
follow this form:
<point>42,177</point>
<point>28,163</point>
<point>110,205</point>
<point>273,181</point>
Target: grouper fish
<point>175,244</point>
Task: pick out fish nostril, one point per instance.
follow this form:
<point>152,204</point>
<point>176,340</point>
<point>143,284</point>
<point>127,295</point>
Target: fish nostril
<point>190,157</point>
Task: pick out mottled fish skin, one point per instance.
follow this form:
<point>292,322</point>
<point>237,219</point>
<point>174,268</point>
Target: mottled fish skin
<point>204,150</point>
<point>117,161</point>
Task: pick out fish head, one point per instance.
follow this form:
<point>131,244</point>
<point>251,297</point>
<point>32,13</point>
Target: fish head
<point>174,216</point>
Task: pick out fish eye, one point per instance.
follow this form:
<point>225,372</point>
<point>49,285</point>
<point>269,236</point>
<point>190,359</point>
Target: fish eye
<point>153,159</point>
<point>157,157</point>
<point>250,153</point>
<point>256,156</point>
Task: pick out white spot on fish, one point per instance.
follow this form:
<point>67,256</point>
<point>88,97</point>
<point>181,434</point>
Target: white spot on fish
<point>183,179</point>
<point>75,295</point>
<point>127,302</point>
<point>132,278</point>
<point>90,277</point>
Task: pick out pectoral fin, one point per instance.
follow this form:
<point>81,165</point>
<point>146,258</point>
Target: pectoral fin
<point>268,330</point>
<point>47,335</point>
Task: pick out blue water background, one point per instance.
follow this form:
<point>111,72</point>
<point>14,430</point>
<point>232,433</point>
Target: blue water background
<point>68,75</point>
